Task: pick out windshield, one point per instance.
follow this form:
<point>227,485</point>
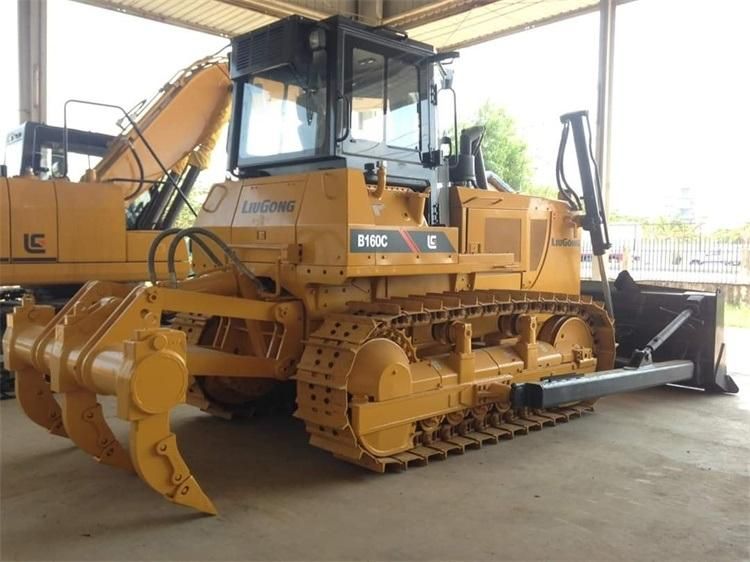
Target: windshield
<point>384,103</point>
<point>281,117</point>
<point>13,153</point>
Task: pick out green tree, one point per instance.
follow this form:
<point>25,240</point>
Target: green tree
<point>669,228</point>
<point>659,227</point>
<point>505,152</point>
<point>196,198</point>
<point>541,191</point>
<point>738,234</point>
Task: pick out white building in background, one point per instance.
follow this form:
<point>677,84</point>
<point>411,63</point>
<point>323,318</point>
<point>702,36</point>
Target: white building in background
<point>684,208</point>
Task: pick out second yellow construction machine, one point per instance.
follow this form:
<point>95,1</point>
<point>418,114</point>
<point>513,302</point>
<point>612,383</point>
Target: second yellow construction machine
<point>56,234</point>
<point>418,312</point>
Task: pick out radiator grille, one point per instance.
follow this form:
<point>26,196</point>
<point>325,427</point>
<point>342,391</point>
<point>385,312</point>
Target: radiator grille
<point>265,48</point>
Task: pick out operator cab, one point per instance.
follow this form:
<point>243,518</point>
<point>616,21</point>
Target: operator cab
<point>315,95</point>
<point>39,150</point>
<point>36,149</point>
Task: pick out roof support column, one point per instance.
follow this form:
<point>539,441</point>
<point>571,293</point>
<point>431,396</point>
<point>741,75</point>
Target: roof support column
<point>370,11</point>
<point>604,97</point>
<point>32,60</point>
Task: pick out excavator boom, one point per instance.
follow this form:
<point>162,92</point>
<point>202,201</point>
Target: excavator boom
<point>184,119</point>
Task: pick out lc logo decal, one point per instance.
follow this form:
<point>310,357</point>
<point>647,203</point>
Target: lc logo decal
<point>34,243</point>
<point>399,241</point>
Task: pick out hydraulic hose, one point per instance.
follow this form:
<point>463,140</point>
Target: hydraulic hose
<point>597,180</point>
<point>194,232</point>
<point>141,173</point>
<point>155,245</point>
<point>563,186</point>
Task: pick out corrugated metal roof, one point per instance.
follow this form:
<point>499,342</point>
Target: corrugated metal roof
<point>211,16</point>
<point>462,23</point>
<point>446,24</point>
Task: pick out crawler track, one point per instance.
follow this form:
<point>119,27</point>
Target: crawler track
<point>324,401</point>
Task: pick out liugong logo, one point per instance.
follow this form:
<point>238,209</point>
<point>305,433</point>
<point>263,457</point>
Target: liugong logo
<point>268,206</point>
<point>566,243</point>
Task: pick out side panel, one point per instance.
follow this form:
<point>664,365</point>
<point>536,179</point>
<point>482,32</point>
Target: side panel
<point>267,213</point>
<point>560,267</point>
<point>92,240</point>
<point>540,234</point>
<point>321,226</point>
<point>499,231</point>
<point>216,213</point>
<point>33,220</point>
<point>328,227</point>
<point>91,222</point>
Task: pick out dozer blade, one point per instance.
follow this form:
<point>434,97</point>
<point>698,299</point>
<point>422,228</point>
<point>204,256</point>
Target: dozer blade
<point>643,311</point>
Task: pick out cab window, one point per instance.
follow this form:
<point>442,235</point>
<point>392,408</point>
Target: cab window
<point>402,111</point>
<point>281,115</point>
<point>368,91</point>
<point>384,96</point>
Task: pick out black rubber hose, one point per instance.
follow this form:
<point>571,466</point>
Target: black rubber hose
<point>562,183</point>
<point>141,173</point>
<point>152,251</point>
<point>193,232</point>
<point>155,245</point>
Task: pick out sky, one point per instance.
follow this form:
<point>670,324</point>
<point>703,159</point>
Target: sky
<point>680,100</point>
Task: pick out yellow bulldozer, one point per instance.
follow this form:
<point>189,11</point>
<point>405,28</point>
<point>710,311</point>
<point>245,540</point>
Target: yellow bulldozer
<point>415,310</point>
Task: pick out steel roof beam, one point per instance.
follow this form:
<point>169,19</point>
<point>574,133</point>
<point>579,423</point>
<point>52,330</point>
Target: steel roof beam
<point>278,8</point>
<point>430,12</point>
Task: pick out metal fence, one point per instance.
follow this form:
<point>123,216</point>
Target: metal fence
<point>700,260</point>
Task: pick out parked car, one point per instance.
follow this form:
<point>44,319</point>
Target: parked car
<point>715,257</point>
<point>612,256</point>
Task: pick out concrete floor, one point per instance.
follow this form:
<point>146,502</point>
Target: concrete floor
<point>658,474</point>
